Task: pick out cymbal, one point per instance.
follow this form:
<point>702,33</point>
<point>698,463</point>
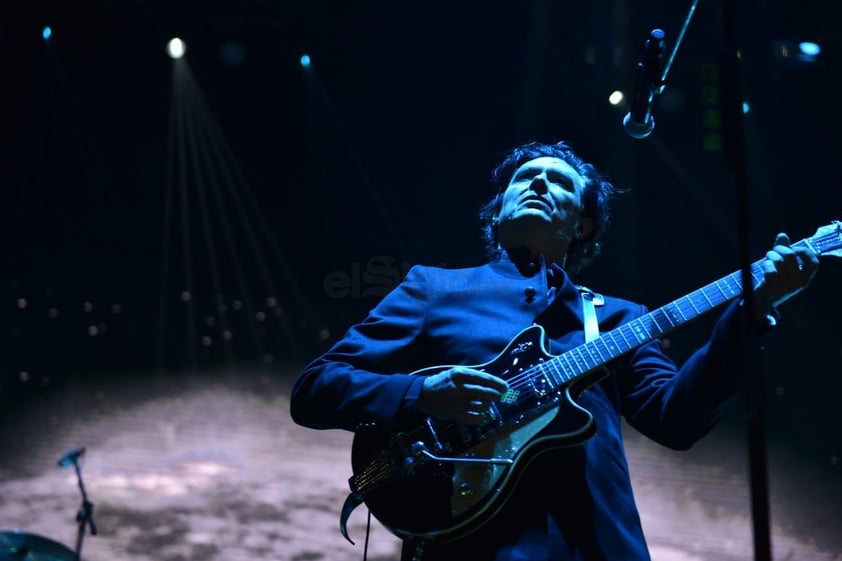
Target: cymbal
<point>22,546</point>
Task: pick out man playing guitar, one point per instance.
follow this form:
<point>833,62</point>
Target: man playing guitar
<point>487,401</point>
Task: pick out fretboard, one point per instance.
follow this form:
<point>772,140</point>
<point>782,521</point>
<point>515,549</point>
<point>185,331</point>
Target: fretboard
<point>612,344</point>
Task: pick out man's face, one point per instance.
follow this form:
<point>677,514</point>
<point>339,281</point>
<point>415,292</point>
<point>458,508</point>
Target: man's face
<point>544,193</point>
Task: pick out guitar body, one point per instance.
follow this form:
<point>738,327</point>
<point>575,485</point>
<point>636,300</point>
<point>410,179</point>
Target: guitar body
<point>468,472</point>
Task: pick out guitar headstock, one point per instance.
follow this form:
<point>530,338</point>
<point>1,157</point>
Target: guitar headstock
<point>827,240</point>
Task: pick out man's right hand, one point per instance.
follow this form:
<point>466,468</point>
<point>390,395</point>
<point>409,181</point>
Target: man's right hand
<point>460,394</point>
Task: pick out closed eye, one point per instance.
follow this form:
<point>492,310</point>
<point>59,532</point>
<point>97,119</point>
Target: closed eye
<point>554,177</point>
<point>560,179</point>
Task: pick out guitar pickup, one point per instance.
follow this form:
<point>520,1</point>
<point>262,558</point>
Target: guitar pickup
<point>541,387</point>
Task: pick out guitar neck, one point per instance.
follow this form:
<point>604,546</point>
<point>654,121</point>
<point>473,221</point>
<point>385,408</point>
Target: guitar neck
<point>613,344</point>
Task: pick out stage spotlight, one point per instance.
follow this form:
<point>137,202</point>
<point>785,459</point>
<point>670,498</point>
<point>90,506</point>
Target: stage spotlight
<point>305,61</point>
<point>176,48</point>
<point>616,97</point>
<point>47,32</point>
<point>809,48</point>
<point>796,54</point>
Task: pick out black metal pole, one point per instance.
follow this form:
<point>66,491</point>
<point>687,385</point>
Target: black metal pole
<point>84,516</point>
<point>734,151</point>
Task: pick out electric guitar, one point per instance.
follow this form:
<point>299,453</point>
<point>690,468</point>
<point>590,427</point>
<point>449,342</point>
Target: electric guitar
<point>441,480</point>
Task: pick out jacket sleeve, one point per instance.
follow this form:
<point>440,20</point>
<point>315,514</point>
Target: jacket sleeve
<point>362,381</point>
<point>678,406</point>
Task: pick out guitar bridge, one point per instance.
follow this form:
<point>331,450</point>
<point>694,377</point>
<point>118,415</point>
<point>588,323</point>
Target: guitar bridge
<point>541,386</point>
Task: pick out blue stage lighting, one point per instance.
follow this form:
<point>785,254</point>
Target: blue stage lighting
<point>809,48</point>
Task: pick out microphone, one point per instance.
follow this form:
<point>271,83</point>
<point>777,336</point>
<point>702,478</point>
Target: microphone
<point>639,122</point>
<point>71,457</point>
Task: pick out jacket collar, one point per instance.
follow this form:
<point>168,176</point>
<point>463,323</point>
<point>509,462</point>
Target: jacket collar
<point>515,263</point>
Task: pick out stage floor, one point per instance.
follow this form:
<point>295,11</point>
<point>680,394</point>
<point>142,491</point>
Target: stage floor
<point>204,467</point>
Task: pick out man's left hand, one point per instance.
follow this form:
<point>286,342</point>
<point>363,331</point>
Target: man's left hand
<point>786,272</point>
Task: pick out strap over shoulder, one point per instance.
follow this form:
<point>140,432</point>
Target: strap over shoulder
<point>597,298</point>
<point>590,299</point>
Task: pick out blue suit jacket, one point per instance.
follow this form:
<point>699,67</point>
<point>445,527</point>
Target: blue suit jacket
<point>572,503</point>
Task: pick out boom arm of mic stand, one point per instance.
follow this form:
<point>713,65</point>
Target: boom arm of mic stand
<point>639,122</point>
<point>663,78</point>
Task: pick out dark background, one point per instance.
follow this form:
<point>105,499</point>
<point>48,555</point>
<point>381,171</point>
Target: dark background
<point>376,158</point>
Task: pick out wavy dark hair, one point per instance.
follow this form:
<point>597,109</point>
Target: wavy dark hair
<point>598,194</point>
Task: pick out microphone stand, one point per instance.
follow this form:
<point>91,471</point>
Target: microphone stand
<point>85,515</point>
<point>731,100</point>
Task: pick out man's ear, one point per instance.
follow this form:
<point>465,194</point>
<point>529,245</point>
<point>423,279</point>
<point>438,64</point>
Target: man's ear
<point>585,229</point>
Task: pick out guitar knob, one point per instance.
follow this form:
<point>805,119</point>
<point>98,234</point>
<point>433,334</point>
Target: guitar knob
<point>465,489</point>
<point>418,448</point>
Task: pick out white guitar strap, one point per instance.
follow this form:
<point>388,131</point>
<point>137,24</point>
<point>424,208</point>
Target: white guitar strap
<point>590,300</point>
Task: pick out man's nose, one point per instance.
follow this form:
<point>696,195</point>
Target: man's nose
<point>539,183</point>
